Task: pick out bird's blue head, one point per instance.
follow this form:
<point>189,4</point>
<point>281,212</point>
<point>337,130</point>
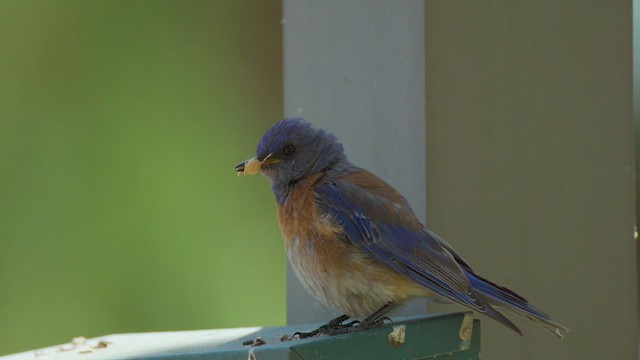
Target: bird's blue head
<point>291,150</point>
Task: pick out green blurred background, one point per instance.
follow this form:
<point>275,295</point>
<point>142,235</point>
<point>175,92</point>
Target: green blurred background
<point>120,124</point>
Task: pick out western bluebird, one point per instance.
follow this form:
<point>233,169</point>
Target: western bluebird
<point>354,241</point>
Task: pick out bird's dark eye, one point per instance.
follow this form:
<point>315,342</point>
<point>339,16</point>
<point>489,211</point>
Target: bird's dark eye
<point>289,149</point>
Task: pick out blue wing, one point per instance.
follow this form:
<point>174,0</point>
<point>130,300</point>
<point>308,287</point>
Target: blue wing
<point>379,221</point>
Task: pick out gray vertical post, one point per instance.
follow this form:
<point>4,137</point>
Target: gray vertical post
<point>356,68</point>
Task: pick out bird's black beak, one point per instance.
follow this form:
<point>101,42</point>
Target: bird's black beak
<point>240,167</point>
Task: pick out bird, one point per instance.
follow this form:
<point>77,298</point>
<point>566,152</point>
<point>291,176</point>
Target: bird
<point>355,243</point>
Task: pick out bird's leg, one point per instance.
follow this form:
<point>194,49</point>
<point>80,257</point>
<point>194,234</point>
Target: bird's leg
<point>376,319</point>
<point>331,325</point>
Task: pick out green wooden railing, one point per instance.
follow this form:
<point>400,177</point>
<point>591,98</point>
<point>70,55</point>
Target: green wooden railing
<point>446,336</point>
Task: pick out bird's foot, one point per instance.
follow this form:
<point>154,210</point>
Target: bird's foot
<point>354,327</point>
<point>336,327</point>
<point>368,324</point>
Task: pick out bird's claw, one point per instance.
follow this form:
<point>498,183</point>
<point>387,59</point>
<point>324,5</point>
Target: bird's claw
<point>335,327</point>
<point>304,335</point>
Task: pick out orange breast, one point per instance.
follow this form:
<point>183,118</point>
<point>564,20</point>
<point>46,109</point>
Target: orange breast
<point>340,275</point>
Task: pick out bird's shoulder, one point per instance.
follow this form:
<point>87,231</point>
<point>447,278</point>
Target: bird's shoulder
<point>356,190</point>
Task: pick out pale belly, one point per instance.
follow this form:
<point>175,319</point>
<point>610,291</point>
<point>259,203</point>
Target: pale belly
<point>347,280</point>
